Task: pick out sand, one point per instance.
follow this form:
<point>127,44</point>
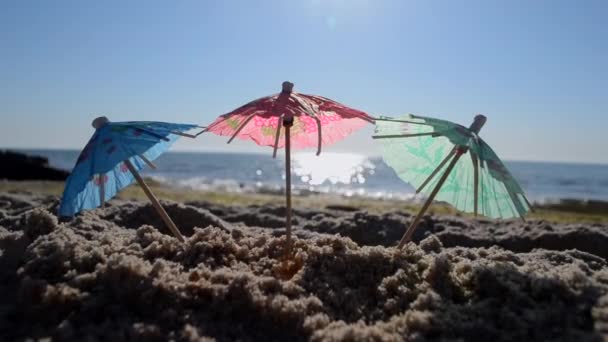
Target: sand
<point>116,274</point>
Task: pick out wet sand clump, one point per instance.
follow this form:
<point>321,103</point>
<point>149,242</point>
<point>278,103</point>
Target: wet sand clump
<point>111,274</point>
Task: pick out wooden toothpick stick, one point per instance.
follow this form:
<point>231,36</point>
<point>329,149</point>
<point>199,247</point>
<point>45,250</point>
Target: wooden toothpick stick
<point>475,182</point>
<point>243,124</point>
<point>159,208</point>
<point>319,134</point>
<point>435,134</point>
<point>402,121</point>
<point>287,126</point>
<point>183,134</point>
<point>437,169</point>
<point>147,161</point>
<point>479,121</point>
<point>528,203</point>
<point>410,230</point>
<point>276,137</point>
<point>102,190</point>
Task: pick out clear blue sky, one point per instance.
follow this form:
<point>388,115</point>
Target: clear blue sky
<point>537,69</point>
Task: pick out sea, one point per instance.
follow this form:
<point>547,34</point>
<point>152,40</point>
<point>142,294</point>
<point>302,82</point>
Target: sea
<point>344,174</point>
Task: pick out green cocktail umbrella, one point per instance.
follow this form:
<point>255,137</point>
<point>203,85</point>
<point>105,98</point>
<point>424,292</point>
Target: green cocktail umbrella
<point>430,155</point>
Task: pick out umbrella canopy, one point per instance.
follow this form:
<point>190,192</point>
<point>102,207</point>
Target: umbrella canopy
<point>420,149</point>
<point>316,121</point>
<point>102,168</point>
<point>290,119</point>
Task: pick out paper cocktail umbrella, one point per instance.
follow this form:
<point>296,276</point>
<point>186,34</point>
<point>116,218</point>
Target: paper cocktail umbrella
<point>430,155</point>
<point>111,160</point>
<point>290,120</point>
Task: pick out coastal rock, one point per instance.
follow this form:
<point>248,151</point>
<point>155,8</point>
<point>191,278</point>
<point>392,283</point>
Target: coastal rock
<point>18,166</point>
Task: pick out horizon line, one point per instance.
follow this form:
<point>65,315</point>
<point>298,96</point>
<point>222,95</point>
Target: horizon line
<point>181,150</point>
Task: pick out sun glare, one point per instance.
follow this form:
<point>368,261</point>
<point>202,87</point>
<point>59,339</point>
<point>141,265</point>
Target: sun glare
<point>346,168</point>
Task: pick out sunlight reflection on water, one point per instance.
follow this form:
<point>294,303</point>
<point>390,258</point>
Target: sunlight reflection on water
<point>352,174</point>
<point>333,168</point>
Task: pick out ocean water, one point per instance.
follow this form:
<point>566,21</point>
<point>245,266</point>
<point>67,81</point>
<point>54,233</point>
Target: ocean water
<point>345,174</point>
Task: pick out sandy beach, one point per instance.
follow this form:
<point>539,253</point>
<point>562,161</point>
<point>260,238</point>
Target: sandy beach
<point>303,171</point>
<point>116,273</point>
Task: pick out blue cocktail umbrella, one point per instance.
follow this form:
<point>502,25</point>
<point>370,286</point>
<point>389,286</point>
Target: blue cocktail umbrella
<point>111,160</point>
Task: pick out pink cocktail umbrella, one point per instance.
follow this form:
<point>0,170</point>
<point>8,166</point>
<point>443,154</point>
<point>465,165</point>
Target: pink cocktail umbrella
<point>290,119</point>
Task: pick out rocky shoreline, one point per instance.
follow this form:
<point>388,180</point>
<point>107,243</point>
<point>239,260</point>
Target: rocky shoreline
<point>19,166</point>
